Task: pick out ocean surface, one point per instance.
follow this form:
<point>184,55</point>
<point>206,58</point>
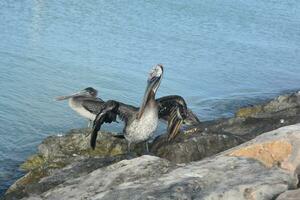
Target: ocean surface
<point>219,55</point>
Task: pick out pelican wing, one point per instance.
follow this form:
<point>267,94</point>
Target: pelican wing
<point>173,109</point>
<point>174,123</point>
<point>108,113</point>
<point>166,105</point>
<point>126,111</point>
<point>93,105</point>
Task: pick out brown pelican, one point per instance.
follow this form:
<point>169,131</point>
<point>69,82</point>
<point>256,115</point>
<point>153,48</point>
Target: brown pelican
<point>88,105</point>
<point>140,123</point>
<point>84,102</point>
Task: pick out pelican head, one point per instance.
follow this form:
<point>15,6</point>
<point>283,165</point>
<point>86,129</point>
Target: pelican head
<point>153,82</point>
<point>92,92</point>
<point>87,92</point>
<point>155,77</point>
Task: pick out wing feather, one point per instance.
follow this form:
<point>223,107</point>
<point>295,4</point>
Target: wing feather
<point>167,103</point>
<point>107,114</point>
<point>173,109</point>
<point>93,105</point>
<point>174,123</point>
<point>125,111</point>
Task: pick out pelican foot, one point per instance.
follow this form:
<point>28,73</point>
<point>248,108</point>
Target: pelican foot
<point>147,147</point>
<point>128,148</point>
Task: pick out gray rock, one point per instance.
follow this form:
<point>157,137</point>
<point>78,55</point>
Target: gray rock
<point>72,153</point>
<point>74,170</point>
<point>290,195</point>
<point>260,169</point>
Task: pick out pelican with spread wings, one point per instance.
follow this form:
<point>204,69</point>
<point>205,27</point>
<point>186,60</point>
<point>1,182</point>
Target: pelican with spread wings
<point>140,123</point>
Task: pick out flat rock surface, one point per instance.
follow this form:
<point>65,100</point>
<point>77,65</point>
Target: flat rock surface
<point>241,173</point>
<point>150,177</point>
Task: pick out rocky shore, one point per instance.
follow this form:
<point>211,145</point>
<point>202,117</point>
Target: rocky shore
<point>248,156</point>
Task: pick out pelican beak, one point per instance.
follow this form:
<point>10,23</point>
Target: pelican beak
<point>61,98</point>
<point>152,85</point>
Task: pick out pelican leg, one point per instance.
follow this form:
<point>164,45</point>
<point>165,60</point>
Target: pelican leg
<point>147,147</point>
<point>90,123</point>
<point>128,147</point>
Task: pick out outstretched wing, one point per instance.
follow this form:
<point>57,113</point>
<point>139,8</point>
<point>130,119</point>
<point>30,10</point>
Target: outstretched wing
<point>166,105</point>
<point>93,105</point>
<point>125,111</point>
<point>109,112</point>
<point>173,109</point>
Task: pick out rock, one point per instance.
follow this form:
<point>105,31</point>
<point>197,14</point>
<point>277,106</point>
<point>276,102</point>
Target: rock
<point>260,169</point>
<point>77,142</point>
<point>196,146</point>
<point>283,103</point>
<point>56,152</point>
<point>280,147</point>
<point>36,182</point>
<point>290,195</point>
<point>269,153</point>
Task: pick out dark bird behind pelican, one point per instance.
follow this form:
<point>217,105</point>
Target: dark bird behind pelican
<point>140,123</point>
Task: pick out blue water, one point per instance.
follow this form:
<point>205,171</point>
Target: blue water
<point>218,54</point>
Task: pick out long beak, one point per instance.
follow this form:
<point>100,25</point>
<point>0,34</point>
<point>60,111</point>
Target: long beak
<point>60,98</point>
<point>148,93</point>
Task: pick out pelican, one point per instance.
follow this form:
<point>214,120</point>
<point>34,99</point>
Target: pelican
<point>84,102</point>
<point>88,105</point>
<point>140,123</point>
